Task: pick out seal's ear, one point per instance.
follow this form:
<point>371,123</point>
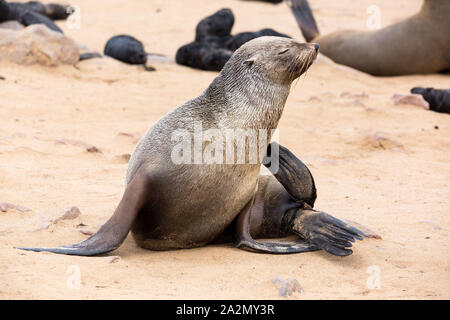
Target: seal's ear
<point>249,62</point>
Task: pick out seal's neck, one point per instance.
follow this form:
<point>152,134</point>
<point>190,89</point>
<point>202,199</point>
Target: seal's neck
<point>248,102</point>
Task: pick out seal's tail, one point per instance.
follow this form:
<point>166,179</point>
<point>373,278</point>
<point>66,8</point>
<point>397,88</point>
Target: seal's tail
<point>111,235</point>
<point>305,19</point>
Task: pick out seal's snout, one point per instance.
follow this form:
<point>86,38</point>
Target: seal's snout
<point>316,46</point>
<point>224,13</point>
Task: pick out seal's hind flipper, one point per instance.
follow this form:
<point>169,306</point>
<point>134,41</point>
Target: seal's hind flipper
<point>111,235</point>
<point>325,231</point>
<point>245,241</point>
<point>295,246</point>
<point>305,19</point>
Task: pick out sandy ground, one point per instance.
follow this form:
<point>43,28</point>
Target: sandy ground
<point>385,166</point>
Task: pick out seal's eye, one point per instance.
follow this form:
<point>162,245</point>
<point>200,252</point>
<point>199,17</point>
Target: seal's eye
<point>284,51</point>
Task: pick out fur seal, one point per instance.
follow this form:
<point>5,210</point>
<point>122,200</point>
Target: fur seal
<point>127,49</point>
<point>4,11</point>
<point>52,11</point>
<point>236,41</point>
<point>393,50</point>
<point>24,13</point>
<point>214,44</point>
<point>173,204</point>
<point>203,55</point>
<point>56,11</point>
<point>207,52</point>
<point>216,27</point>
<point>439,99</point>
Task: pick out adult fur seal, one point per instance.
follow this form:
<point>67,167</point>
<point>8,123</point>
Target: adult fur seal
<point>419,44</point>
<point>173,204</point>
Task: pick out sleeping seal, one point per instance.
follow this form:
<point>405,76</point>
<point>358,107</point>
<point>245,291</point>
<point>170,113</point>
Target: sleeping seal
<point>418,44</point>
<point>127,49</point>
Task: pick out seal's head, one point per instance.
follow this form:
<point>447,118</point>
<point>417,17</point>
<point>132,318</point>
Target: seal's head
<point>219,25</point>
<point>273,59</point>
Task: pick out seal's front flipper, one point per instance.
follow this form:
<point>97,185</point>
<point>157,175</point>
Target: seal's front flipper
<point>245,241</point>
<point>324,231</point>
<point>305,19</point>
<point>291,173</point>
<point>111,235</point>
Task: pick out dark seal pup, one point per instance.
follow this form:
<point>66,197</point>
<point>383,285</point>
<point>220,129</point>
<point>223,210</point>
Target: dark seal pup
<point>439,99</point>
<point>214,44</point>
<point>236,41</point>
<point>173,203</point>
<point>216,27</point>
<point>25,14</point>
<point>4,11</point>
<point>416,45</point>
<point>208,51</point>
<point>52,11</point>
<point>127,49</point>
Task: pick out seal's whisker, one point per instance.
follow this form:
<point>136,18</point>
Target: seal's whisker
<point>310,61</point>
